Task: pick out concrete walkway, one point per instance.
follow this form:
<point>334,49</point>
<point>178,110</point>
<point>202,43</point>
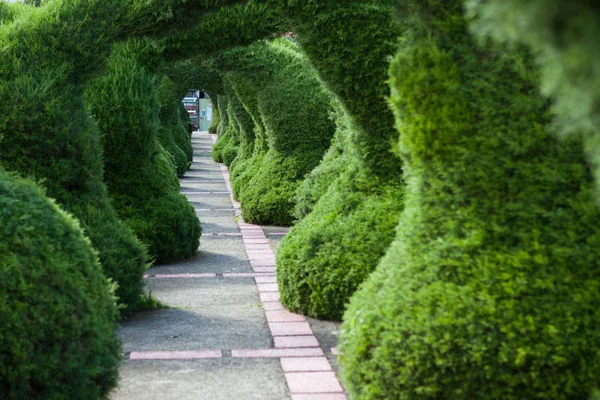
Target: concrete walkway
<point>226,335</point>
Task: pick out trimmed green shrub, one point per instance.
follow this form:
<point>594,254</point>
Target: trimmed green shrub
<point>563,37</point>
<point>222,101</point>
<point>172,133</point>
<point>144,188</point>
<point>216,118</point>
<point>226,146</point>
<point>491,287</point>
<point>351,202</point>
<point>46,56</point>
<point>276,86</point>
<point>57,309</point>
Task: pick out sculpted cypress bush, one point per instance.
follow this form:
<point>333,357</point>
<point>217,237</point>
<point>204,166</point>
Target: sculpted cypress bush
<point>216,118</point>
<point>144,188</point>
<point>346,224</point>
<point>57,309</point>
<point>292,108</point>
<point>490,289</point>
<point>226,146</point>
<point>563,37</point>
<point>172,133</point>
<point>47,54</point>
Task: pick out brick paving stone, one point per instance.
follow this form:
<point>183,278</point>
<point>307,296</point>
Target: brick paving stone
<point>267,353</point>
<point>296,341</point>
<point>267,287</point>
<point>266,279</point>
<point>313,382</point>
<point>173,276</point>
<point>259,247</point>
<point>255,275</point>
<point>271,269</point>
<point>269,296</point>
<point>174,355</point>
<point>305,364</point>
<point>262,263</point>
<point>272,305</point>
<point>290,328</point>
<point>283,316</point>
<point>255,241</point>
<point>260,256</point>
<point>320,396</point>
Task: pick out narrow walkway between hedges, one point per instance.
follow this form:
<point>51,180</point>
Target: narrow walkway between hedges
<point>225,334</point>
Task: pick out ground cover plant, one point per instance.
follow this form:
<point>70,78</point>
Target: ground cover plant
<point>348,222</point>
<point>58,312</point>
<point>490,289</point>
<point>144,188</point>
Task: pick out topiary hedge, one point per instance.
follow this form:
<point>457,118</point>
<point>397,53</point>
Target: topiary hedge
<point>216,117</point>
<point>144,189</point>
<point>57,309</point>
<point>279,90</point>
<point>47,54</point>
<point>563,39</point>
<point>490,289</point>
<point>347,224</point>
<point>172,133</point>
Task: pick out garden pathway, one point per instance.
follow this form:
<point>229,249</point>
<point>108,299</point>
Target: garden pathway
<point>225,335</point>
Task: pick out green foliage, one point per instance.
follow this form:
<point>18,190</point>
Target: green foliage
<point>46,56</point>
<point>172,133</point>
<point>216,119</point>
<point>286,107</point>
<point>238,25</point>
<point>349,43</point>
<point>351,202</point>
<point>144,188</point>
<point>57,309</point>
<point>329,253</point>
<point>226,146</point>
<point>490,289</point>
<point>563,36</point>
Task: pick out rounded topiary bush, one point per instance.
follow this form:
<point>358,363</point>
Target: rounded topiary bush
<point>47,133</point>
<point>491,287</point>
<point>57,309</point>
<point>140,177</point>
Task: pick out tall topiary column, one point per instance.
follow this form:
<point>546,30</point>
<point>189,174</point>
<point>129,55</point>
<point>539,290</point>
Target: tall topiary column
<point>144,188</point>
<point>47,55</point>
<point>57,309</point>
<point>490,289</point>
<point>348,222</point>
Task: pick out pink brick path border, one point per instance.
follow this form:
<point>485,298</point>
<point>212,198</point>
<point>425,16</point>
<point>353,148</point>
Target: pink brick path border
<point>310,376</point>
